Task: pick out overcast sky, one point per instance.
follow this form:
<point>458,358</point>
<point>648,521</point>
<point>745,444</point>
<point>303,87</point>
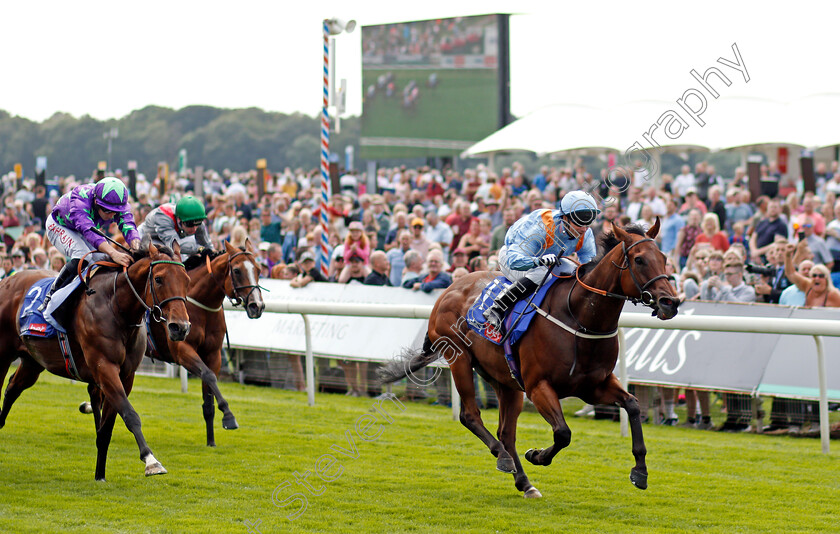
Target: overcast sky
<point>107,58</point>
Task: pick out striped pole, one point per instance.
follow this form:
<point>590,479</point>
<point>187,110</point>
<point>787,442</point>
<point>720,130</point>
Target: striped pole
<point>325,154</point>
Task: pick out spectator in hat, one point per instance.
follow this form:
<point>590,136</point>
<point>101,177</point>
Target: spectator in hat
<point>337,263</point>
<point>379,270</point>
<point>308,271</point>
<point>460,258</point>
<point>419,241</point>
<point>356,269</point>
<point>358,245</point>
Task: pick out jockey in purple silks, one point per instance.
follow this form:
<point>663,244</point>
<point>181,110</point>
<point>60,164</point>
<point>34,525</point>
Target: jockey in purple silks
<point>71,226</point>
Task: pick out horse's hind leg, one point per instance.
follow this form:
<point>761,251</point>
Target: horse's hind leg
<point>471,415</point>
<point>547,402</point>
<point>25,376</point>
<point>510,406</point>
<point>611,392</point>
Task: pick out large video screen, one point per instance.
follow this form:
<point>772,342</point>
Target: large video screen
<point>433,87</point>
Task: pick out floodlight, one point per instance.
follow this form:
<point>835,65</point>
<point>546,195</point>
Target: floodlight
<point>336,26</point>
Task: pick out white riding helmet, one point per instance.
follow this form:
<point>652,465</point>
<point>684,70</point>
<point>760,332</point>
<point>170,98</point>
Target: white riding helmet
<point>580,207</point>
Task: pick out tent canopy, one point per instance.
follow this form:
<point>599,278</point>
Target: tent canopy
<point>725,123</point>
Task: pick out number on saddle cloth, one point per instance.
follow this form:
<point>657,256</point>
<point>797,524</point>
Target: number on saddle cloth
<point>475,315</point>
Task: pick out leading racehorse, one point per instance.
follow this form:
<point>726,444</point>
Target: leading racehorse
<point>106,338</point>
<point>233,274</point>
<point>570,351</point>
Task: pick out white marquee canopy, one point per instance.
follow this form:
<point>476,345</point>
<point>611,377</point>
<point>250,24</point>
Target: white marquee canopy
<point>721,124</point>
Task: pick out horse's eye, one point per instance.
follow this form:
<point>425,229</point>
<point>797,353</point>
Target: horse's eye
<point>237,272</point>
<point>158,280</point>
<point>639,260</point>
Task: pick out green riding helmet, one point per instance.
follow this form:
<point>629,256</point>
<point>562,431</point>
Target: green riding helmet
<point>190,209</point>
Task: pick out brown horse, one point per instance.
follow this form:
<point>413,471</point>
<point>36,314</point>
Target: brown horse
<point>572,351</point>
<point>233,274</point>
<point>107,339</point>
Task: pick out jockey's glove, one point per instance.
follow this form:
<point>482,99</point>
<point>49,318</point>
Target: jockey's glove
<point>549,260</point>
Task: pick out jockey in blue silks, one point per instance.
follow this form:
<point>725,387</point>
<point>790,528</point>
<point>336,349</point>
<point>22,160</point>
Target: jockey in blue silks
<point>537,242</point>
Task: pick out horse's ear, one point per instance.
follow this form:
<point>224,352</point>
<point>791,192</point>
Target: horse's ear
<point>654,230</point>
<point>145,242</point>
<point>153,251</point>
<point>619,232</point>
<point>230,248</point>
<point>249,246</point>
<point>176,248</point>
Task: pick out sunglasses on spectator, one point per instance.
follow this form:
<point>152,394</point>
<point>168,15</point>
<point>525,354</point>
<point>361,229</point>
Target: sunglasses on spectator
<point>817,275</point>
<point>808,225</point>
<point>192,224</point>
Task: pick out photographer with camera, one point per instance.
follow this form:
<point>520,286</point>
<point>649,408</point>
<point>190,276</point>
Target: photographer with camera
<point>773,280</point>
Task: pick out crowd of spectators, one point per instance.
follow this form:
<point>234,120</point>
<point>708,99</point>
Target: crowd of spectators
<point>421,228</point>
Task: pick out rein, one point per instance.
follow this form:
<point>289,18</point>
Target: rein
<point>645,297</point>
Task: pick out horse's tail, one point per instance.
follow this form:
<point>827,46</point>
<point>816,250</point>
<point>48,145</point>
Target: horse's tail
<point>408,361</point>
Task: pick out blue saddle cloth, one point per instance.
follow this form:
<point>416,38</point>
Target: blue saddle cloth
<point>32,321</point>
<point>476,321</point>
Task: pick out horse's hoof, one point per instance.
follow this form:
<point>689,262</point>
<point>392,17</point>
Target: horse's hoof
<point>101,480</point>
<point>85,407</point>
<point>532,493</point>
<point>638,478</point>
<point>531,455</point>
<point>155,469</point>
<point>229,423</point>
<point>211,444</point>
<point>506,465</point>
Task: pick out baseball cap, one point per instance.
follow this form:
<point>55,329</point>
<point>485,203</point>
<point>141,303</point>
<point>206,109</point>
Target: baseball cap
<point>417,221</point>
<point>356,225</point>
<point>307,256</point>
<point>460,251</point>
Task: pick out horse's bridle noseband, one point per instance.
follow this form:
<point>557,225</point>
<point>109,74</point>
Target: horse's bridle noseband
<point>237,298</point>
<point>645,297</point>
<point>156,310</point>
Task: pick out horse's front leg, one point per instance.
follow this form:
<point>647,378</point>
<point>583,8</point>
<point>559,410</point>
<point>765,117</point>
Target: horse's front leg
<point>611,392</point>
<point>189,358</point>
<point>116,388</point>
<point>547,402</point>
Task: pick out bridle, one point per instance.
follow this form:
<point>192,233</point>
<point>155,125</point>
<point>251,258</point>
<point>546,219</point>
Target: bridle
<point>155,311</point>
<point>645,297</point>
<point>237,297</point>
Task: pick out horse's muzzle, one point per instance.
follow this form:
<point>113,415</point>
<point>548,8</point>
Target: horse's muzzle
<point>178,330</point>
<point>254,309</point>
<point>667,307</point>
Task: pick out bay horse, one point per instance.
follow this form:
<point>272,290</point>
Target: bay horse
<point>572,351</point>
<point>233,274</point>
<point>107,339</point>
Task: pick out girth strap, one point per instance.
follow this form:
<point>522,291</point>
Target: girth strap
<point>69,363</point>
<point>572,330</point>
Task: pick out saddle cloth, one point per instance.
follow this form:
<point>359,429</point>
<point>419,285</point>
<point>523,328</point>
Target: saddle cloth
<point>475,315</point>
<point>32,321</point>
<point>476,321</point>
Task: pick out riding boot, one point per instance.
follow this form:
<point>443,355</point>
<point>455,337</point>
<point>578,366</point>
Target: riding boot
<point>64,277</point>
<point>495,314</point>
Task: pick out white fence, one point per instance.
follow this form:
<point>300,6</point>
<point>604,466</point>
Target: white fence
<point>815,328</point>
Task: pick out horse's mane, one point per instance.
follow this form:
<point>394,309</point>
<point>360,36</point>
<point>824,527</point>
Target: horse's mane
<point>140,254</point>
<point>197,260</point>
<point>607,242</point>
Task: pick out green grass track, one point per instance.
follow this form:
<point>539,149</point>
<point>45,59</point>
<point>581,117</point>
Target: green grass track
<point>423,473</point>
